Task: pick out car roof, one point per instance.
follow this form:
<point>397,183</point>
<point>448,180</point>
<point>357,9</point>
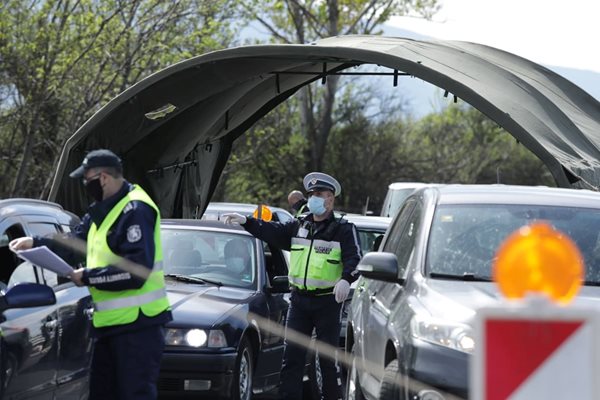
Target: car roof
<point>404,185</point>
<point>225,206</point>
<point>203,225</point>
<point>514,194</point>
<point>368,221</point>
<point>25,206</point>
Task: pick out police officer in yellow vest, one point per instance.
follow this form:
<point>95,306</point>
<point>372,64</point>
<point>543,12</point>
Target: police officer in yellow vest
<point>324,252</point>
<point>121,227</point>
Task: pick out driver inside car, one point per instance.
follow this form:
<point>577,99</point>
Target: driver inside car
<point>237,259</point>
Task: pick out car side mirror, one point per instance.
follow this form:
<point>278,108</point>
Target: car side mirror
<point>380,266</point>
<point>280,284</point>
<point>26,295</point>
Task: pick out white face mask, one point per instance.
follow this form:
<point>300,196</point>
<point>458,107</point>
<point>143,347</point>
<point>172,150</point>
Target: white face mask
<point>235,264</point>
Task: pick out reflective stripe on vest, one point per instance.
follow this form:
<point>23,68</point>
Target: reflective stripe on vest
<point>315,264</point>
<point>131,301</point>
<point>123,307</point>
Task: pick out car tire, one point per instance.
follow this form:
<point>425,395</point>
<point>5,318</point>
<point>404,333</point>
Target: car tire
<point>244,372</point>
<point>391,387</point>
<point>353,389</point>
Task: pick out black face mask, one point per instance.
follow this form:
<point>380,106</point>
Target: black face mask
<point>94,189</point>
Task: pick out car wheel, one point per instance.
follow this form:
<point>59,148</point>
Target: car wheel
<point>391,387</point>
<point>242,387</point>
<point>353,389</point>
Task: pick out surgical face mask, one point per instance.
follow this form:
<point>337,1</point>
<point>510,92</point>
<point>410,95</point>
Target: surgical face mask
<point>316,205</point>
<point>235,264</point>
<point>94,189</point>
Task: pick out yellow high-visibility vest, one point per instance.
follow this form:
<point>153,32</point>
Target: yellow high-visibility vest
<point>123,307</point>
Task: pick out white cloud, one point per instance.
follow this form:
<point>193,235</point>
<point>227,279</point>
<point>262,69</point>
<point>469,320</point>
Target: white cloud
<point>563,33</point>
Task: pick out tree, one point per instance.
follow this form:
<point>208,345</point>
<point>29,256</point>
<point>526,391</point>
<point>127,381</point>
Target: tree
<point>462,145</point>
<point>61,60</point>
<point>296,21</point>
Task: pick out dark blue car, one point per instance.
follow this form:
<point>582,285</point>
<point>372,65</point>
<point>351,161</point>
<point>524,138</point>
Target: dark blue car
<point>219,344</point>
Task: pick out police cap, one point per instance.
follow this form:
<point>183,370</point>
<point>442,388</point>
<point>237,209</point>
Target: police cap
<point>95,159</point>
<point>320,181</point>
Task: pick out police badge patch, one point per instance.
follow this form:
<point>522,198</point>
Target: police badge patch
<point>134,233</point>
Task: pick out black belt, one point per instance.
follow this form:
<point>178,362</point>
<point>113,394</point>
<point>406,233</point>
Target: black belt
<point>314,292</point>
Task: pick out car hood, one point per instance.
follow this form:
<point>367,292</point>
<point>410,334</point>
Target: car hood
<point>175,129</point>
<point>458,301</point>
<point>203,305</point>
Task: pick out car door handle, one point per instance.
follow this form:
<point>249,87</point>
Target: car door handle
<point>373,297</point>
<point>360,289</point>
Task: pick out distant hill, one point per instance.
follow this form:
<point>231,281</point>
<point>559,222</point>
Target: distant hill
<point>423,98</point>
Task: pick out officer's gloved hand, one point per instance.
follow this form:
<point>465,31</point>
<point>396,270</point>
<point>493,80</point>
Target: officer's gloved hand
<point>234,218</point>
<point>341,290</point>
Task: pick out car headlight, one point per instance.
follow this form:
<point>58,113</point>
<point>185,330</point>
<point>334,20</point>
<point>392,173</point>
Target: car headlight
<point>195,338</point>
<point>444,333</point>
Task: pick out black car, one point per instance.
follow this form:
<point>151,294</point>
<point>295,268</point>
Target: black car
<point>218,344</point>
<point>410,320</point>
<point>46,348</point>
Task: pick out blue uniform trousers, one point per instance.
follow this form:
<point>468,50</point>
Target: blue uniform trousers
<point>304,314</point>
<point>125,366</point>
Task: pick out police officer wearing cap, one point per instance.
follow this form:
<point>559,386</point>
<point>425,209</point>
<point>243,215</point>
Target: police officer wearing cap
<point>122,226</point>
<point>324,253</point>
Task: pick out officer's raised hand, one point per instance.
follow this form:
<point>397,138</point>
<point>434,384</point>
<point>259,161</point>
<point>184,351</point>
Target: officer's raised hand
<point>341,290</point>
<point>234,218</point>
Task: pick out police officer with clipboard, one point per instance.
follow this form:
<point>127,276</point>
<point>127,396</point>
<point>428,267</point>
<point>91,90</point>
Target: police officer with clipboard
<point>125,278</point>
<point>324,253</point>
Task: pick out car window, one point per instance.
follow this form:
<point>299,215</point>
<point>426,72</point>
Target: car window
<point>397,225</point>
<point>402,234</point>
<point>406,245</point>
<point>229,258</point>
<point>9,260</point>
<point>367,238</point>
<point>43,229</point>
<point>275,262</point>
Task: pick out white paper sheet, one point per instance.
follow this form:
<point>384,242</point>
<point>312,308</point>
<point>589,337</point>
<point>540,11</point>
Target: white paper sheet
<point>45,258</point>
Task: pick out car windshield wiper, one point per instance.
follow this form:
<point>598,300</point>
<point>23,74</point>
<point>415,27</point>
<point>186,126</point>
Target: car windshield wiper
<point>467,276</point>
<point>192,279</point>
<point>591,283</point>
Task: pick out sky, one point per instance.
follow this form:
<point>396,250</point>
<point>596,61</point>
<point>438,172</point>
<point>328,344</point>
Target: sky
<point>564,33</point>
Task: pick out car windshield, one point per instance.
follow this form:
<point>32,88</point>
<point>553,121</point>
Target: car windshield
<point>227,258</point>
<point>464,238</point>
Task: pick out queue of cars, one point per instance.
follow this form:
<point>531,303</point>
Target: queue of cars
<point>409,320</point>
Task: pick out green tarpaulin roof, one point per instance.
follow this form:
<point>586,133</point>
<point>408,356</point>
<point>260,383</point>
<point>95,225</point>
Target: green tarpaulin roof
<point>175,128</point>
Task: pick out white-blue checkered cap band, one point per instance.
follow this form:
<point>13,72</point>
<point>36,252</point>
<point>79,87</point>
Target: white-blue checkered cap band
<point>319,180</point>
